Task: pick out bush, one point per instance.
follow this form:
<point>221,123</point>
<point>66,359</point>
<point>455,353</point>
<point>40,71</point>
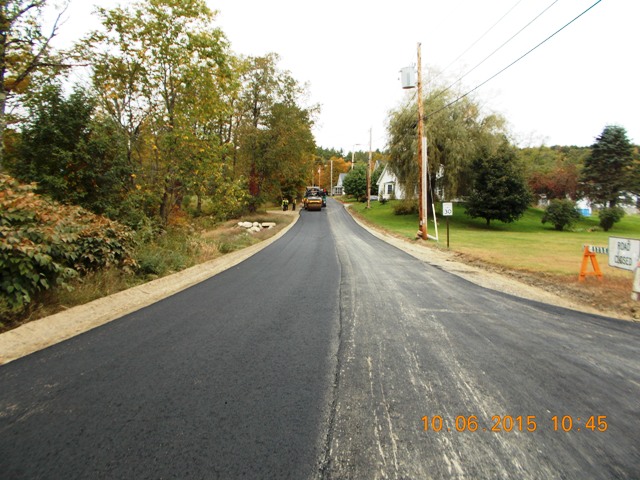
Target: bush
<point>44,243</point>
<point>561,213</point>
<point>610,216</point>
<point>355,183</point>
<point>406,207</point>
<point>170,251</point>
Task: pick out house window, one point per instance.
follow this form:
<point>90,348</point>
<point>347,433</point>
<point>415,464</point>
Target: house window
<point>389,188</point>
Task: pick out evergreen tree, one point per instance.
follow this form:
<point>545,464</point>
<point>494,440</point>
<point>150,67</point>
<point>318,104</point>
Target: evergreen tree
<point>499,190</point>
<point>607,171</point>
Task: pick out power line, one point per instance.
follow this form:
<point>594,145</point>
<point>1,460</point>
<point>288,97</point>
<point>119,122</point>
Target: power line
<point>500,47</point>
<point>512,63</point>
<point>480,37</point>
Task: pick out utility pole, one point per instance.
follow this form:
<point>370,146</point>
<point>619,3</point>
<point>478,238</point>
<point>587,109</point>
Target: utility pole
<point>331,180</point>
<point>422,157</point>
<point>353,153</point>
<point>369,173</point>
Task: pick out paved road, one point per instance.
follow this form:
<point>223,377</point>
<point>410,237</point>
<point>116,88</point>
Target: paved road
<point>229,379</point>
<point>319,358</point>
<point>416,342</point>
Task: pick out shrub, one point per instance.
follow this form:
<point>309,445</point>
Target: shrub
<point>609,216</point>
<point>170,251</point>
<point>44,243</point>
<point>406,207</point>
<point>561,213</point>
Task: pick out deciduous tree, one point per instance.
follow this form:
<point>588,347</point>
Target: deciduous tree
<point>355,183</point>
<point>609,217</point>
<point>339,166</point>
<point>25,51</point>
<point>164,71</point>
<point>455,134</point>
<point>273,135</point>
<point>71,153</point>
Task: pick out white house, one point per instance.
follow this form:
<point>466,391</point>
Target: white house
<point>388,186</point>
<point>339,188</point>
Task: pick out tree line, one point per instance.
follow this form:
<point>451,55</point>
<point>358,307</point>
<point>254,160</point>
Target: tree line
<point>472,158</point>
<point>170,117</point>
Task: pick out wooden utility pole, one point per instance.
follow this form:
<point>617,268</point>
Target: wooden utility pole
<point>422,157</point>
<point>331,178</point>
<point>369,174</point>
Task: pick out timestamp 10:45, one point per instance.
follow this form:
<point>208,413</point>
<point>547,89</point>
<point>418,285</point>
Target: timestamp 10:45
<point>520,423</point>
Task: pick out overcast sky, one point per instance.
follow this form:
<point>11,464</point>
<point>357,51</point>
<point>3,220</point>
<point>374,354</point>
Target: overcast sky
<point>351,51</point>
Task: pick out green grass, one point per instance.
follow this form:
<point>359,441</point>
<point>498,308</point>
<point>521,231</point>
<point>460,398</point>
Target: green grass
<point>526,244</point>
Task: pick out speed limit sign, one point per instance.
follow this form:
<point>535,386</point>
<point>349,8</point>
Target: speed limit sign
<point>447,211</point>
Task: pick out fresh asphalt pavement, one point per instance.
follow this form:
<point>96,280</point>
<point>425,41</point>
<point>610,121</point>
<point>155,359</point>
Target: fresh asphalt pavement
<point>324,356</point>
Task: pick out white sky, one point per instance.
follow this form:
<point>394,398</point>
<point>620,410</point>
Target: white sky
<point>350,52</point>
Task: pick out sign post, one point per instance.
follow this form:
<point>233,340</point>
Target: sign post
<point>447,211</point>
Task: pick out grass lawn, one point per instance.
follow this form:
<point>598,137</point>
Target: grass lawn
<point>525,245</point>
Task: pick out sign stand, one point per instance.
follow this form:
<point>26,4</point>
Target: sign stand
<point>447,211</point>
<point>447,232</point>
<point>586,256</point>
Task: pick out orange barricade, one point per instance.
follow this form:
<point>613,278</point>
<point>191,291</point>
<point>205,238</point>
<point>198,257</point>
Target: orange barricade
<point>586,256</point>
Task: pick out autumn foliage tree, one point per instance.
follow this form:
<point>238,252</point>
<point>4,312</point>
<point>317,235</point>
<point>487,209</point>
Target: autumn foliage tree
<point>275,145</point>
<point>163,74</point>
<point>25,52</point>
<point>553,172</point>
<point>561,182</point>
<point>335,166</point>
